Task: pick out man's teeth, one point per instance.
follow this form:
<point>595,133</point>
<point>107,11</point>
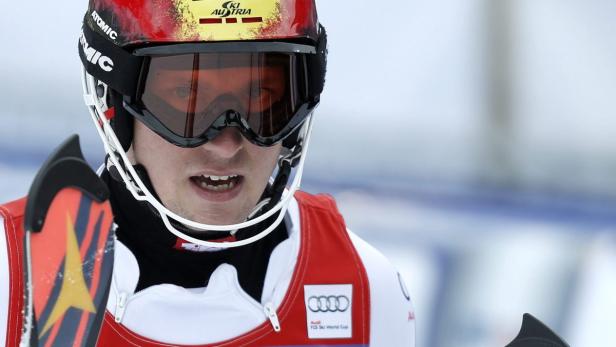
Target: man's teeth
<point>220,178</point>
<point>217,183</point>
<point>217,188</point>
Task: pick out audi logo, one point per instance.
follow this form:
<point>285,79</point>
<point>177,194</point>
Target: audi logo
<point>331,303</point>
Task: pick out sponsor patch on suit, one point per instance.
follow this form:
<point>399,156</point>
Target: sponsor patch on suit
<point>329,310</point>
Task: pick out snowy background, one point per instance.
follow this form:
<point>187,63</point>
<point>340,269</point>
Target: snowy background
<point>473,142</point>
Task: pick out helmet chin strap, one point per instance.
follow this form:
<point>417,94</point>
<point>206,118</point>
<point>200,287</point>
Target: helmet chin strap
<point>136,186</point>
<point>285,164</point>
<point>272,193</point>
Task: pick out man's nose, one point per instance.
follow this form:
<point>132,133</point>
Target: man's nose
<point>226,144</point>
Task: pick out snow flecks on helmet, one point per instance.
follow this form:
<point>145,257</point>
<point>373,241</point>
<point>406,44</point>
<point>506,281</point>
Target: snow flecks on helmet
<point>151,21</point>
<point>140,20</point>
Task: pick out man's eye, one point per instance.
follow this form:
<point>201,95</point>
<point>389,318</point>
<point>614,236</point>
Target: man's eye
<point>260,92</point>
<point>182,92</point>
<point>263,91</point>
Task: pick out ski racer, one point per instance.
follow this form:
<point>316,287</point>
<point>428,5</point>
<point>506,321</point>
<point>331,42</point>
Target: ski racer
<point>205,110</point>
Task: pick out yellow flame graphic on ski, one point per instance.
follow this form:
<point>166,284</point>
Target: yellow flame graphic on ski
<point>74,292</point>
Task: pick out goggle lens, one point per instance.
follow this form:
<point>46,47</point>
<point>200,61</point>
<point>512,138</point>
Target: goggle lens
<point>190,94</point>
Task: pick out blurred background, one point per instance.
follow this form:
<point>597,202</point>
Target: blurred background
<point>473,142</point>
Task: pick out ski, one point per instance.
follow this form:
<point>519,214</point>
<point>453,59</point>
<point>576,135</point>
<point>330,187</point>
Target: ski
<point>68,252</point>
<point>534,333</point>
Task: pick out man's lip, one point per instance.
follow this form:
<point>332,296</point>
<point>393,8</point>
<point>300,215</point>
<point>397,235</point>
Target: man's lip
<point>218,173</point>
<point>221,196</point>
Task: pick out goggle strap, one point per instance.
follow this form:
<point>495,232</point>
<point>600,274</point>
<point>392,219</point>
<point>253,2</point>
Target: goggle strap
<point>108,62</point>
<point>123,122</point>
<point>318,66</point>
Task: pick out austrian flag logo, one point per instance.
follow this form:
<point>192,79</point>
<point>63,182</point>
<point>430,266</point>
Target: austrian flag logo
<point>231,12</point>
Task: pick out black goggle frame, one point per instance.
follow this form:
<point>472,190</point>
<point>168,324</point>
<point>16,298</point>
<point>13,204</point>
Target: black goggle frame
<point>128,79</point>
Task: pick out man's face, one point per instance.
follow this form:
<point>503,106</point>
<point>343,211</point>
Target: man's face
<point>219,182</point>
<point>182,177</point>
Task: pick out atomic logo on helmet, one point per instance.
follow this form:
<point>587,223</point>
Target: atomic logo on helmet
<point>95,57</point>
<point>104,26</point>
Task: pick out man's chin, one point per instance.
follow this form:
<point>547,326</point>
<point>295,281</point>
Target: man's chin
<point>219,216</point>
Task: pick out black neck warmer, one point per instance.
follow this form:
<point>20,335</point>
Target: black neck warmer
<point>145,235</point>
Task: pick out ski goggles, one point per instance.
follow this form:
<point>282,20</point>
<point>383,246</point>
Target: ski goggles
<point>190,92</point>
<point>189,98</point>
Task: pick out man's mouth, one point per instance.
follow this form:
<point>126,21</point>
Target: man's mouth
<point>217,184</point>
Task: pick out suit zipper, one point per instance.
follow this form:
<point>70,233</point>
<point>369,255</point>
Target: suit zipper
<point>120,307</point>
<point>270,313</point>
